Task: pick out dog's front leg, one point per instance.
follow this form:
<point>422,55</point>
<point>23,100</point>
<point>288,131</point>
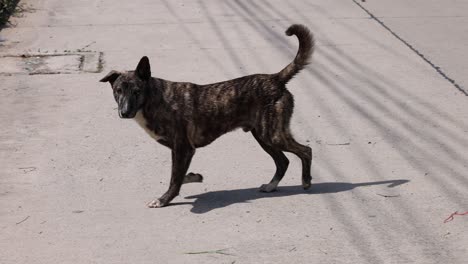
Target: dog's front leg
<point>181,157</point>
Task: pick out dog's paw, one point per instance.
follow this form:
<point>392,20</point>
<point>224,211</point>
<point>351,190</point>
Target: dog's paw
<point>268,188</point>
<point>193,177</point>
<point>156,204</point>
<point>306,184</point>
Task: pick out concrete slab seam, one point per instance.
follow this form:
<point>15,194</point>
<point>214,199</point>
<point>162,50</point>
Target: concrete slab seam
<point>435,67</point>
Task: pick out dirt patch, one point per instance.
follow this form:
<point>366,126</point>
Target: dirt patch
<point>88,62</point>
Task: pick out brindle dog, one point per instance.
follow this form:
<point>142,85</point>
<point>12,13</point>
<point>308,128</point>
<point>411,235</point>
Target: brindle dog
<point>184,116</point>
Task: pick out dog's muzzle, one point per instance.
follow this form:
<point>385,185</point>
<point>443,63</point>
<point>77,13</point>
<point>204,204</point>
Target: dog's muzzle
<point>125,111</point>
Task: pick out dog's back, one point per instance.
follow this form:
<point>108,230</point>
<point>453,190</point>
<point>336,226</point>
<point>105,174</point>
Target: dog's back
<point>213,109</point>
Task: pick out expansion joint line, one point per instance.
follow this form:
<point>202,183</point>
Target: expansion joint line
<point>435,67</point>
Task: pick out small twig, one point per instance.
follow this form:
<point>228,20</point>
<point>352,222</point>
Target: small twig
<point>339,144</point>
<point>450,218</point>
<point>28,169</point>
<point>83,48</point>
<point>23,220</point>
<point>388,196</point>
<point>219,251</point>
<point>323,251</point>
<point>292,249</point>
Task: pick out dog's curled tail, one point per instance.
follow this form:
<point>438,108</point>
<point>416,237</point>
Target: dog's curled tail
<point>306,47</point>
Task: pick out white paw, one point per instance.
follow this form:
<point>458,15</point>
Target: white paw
<point>155,204</point>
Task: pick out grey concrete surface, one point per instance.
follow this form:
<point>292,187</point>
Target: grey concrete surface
<point>389,136</point>
<point>436,29</point>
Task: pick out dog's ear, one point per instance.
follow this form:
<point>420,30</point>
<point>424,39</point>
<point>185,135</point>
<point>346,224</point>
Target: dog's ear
<point>111,77</point>
<point>143,70</point>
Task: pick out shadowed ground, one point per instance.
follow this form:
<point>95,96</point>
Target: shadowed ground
<point>206,202</point>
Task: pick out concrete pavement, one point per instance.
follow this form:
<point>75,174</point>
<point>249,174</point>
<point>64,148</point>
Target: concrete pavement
<point>389,135</point>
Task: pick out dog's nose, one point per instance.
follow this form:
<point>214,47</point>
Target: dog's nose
<point>125,114</point>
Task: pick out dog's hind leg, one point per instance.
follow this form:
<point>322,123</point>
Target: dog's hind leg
<point>289,144</point>
<point>281,162</point>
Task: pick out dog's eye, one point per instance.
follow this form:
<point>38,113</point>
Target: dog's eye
<point>118,91</point>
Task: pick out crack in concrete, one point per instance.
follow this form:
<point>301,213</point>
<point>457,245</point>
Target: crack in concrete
<point>435,67</point>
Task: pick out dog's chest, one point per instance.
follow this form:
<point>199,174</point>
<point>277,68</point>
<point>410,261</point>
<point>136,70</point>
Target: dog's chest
<point>141,121</point>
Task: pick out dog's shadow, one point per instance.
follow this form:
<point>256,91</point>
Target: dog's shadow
<point>206,202</point>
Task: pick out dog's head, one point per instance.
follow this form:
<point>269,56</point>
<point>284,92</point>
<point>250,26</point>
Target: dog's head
<point>130,88</point>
